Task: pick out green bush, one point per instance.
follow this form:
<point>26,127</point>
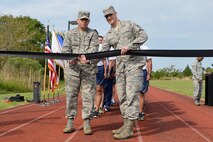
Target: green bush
<point>12,86</point>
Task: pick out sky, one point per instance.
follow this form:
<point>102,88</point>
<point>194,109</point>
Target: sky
<point>170,24</point>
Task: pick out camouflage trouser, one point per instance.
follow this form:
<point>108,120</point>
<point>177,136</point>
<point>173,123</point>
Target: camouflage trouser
<point>86,83</point>
<point>129,84</point>
<point>197,89</point>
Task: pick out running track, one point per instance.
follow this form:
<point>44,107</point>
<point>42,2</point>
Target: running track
<point>169,117</point>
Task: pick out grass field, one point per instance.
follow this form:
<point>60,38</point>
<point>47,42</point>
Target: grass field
<point>4,105</point>
<point>184,87</point>
<point>27,96</point>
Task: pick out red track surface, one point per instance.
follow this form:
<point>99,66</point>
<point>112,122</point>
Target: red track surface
<point>169,117</point>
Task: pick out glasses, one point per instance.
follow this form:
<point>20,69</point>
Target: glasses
<point>108,15</point>
<point>84,19</point>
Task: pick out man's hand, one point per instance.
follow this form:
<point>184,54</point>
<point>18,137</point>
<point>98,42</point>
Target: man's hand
<point>108,75</point>
<point>208,73</point>
<point>83,59</point>
<point>148,77</point>
<point>73,62</point>
<point>124,50</point>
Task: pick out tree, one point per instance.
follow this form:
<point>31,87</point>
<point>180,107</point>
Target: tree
<point>208,69</point>
<point>187,71</point>
<point>21,33</point>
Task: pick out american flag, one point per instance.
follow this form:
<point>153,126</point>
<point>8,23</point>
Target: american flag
<point>53,78</point>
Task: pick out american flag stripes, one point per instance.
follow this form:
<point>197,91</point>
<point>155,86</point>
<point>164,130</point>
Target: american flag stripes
<point>53,78</point>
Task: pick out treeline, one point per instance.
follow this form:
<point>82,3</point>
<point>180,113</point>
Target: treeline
<point>23,33</point>
<point>171,73</point>
<point>20,33</point>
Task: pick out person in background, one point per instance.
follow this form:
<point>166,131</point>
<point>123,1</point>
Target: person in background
<point>126,35</point>
<point>108,90</point>
<point>80,73</point>
<point>147,70</point>
<point>112,66</point>
<point>100,82</point>
<point>197,77</point>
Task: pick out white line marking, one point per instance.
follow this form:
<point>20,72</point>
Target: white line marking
<point>184,122</point>
<point>74,133</point>
<point>198,109</point>
<point>7,111</point>
<point>195,107</point>
<point>20,126</point>
<point>15,109</point>
<point>138,132</point>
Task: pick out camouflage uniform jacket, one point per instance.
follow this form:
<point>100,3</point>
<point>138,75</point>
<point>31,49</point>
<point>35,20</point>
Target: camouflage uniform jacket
<point>81,43</point>
<point>197,70</point>
<point>127,34</point>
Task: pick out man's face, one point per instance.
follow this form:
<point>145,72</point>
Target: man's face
<point>100,40</point>
<point>200,58</point>
<point>111,18</point>
<point>83,23</point>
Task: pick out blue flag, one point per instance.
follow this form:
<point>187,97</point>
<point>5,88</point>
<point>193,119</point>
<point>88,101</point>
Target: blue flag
<point>60,39</point>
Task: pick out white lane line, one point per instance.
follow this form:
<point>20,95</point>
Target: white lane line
<point>197,108</point>
<point>80,127</point>
<point>184,122</point>
<point>22,107</point>
<point>15,109</point>
<point>138,132</point>
<point>194,107</point>
<point>20,126</point>
<point>74,133</point>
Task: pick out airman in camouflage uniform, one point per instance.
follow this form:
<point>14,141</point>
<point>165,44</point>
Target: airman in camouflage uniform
<point>197,71</point>
<point>80,73</point>
<point>126,35</point>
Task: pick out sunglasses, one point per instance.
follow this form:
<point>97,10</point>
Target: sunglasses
<point>84,19</point>
<point>108,15</point>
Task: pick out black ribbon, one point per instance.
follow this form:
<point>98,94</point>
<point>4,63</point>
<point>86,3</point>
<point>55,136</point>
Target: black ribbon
<point>98,55</point>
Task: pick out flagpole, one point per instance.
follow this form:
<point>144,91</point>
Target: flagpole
<point>45,70</point>
<point>44,86</point>
<point>48,87</point>
<point>56,48</point>
<point>58,81</point>
<point>48,95</point>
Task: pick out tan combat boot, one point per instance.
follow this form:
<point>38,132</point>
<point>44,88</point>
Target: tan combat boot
<point>87,129</point>
<point>118,131</point>
<point>127,132</point>
<point>69,127</point>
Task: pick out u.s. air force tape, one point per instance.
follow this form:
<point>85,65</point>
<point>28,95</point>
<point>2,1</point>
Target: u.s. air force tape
<point>98,55</point>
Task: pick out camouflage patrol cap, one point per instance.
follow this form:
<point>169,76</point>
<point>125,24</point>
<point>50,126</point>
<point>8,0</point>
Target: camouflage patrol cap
<point>83,14</point>
<point>109,10</point>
